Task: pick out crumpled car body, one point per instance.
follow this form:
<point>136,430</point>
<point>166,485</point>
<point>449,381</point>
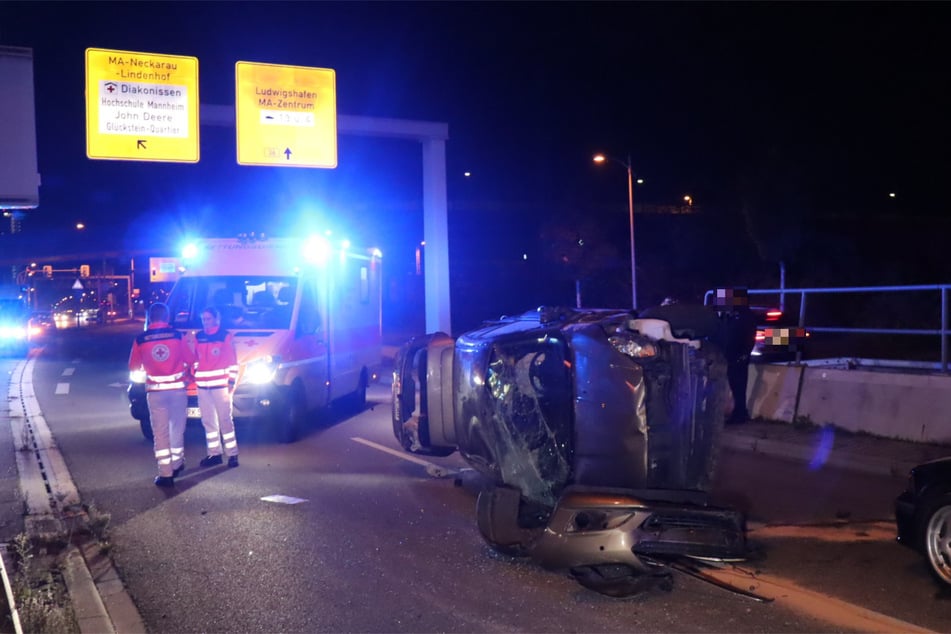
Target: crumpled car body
<point>597,431</point>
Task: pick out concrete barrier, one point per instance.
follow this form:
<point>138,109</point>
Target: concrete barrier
<point>772,391</point>
<point>905,406</point>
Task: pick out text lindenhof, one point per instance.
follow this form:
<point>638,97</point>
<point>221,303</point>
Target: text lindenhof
<point>143,109</point>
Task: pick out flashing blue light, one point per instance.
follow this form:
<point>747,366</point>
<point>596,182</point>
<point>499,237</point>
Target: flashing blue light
<point>377,253</point>
<point>316,249</point>
<point>190,251</point>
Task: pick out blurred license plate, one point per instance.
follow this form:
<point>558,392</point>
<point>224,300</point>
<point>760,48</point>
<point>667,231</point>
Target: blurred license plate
<point>192,412</point>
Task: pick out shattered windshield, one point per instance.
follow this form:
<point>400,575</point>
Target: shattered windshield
<point>523,413</point>
<point>245,302</point>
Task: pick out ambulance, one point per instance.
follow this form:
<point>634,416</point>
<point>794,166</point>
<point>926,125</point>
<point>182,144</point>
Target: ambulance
<point>306,318</point>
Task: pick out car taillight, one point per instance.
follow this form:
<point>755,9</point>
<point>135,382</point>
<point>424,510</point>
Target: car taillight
<point>773,315</point>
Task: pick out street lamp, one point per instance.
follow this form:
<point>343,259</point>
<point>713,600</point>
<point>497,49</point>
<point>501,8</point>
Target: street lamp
<point>601,158</point>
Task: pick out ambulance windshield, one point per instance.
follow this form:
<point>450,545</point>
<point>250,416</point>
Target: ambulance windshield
<point>245,302</point>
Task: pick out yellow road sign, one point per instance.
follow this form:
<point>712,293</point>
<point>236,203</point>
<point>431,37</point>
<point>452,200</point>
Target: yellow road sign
<point>285,115</point>
<point>141,106</point>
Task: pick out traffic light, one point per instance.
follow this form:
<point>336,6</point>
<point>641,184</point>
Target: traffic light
<point>48,271</point>
<point>83,270</point>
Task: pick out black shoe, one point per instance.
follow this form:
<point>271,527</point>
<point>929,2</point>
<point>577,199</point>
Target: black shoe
<point>232,461</point>
<point>178,471</point>
<point>210,461</point>
<point>164,481</point>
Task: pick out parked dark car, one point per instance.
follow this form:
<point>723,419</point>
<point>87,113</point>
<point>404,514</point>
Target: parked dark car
<point>923,515</point>
<point>596,431</point>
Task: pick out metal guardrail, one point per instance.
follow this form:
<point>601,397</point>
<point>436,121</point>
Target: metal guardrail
<point>942,289</point>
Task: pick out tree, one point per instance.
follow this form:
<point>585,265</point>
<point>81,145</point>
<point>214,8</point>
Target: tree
<point>577,248</point>
<point>774,204</point>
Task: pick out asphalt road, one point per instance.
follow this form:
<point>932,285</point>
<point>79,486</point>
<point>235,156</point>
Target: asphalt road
<point>378,543</point>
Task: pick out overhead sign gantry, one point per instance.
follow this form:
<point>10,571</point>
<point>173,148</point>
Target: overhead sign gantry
<point>141,106</point>
<point>285,115</point>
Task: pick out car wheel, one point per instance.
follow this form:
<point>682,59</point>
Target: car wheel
<point>146,426</point>
<point>290,420</point>
<point>936,538</point>
<point>497,513</point>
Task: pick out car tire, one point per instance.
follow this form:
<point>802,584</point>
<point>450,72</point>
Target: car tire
<point>936,536</point>
<point>146,425</point>
<point>497,515</point>
<point>289,420</point>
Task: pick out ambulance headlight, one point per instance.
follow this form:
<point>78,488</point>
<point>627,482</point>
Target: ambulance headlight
<point>260,372</point>
<point>12,332</point>
<point>137,376</point>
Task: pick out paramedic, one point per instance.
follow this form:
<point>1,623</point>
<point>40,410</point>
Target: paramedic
<point>164,355</point>
<point>216,374</point>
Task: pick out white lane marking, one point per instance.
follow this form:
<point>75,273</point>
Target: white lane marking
<point>434,470</point>
<point>62,388</point>
<point>69,371</point>
<point>394,452</point>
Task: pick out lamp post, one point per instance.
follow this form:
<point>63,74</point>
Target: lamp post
<point>601,158</point>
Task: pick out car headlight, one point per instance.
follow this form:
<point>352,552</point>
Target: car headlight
<point>137,376</point>
<point>261,371</point>
<point>634,346</point>
<point>12,332</point>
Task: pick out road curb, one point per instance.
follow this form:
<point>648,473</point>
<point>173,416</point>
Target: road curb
<point>98,596</point>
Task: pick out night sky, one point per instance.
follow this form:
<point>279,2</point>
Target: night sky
<point>814,112</point>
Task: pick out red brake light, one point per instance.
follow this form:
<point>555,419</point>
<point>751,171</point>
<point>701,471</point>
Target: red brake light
<point>773,314</point>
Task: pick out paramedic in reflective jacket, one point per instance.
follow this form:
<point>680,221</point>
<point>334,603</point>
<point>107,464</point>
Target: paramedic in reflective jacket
<point>166,358</point>
<point>216,373</point>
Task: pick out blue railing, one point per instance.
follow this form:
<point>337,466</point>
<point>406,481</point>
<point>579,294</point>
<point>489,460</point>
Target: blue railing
<point>941,332</point>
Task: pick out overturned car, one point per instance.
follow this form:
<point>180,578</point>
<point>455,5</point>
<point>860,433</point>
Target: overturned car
<point>597,430</point>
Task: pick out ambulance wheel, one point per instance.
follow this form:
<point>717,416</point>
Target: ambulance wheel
<point>146,426</point>
<point>289,422</point>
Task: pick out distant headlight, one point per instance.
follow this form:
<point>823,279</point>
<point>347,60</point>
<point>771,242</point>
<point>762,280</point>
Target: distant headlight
<point>634,346</point>
<point>12,332</point>
<point>137,376</point>
<point>260,372</point>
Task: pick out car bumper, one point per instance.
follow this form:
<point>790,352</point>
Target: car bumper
<point>590,528</point>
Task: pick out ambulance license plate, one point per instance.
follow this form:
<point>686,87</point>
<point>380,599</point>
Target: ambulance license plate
<point>192,412</point>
